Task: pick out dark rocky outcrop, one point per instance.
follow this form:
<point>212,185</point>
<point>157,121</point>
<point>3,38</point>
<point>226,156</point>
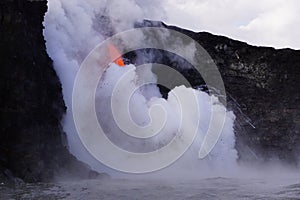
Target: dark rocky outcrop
<point>265,84</point>
<point>31,104</point>
<point>263,89</point>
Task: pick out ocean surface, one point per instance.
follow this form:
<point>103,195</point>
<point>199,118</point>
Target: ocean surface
<point>211,188</point>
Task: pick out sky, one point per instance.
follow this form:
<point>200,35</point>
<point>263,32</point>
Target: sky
<point>274,23</point>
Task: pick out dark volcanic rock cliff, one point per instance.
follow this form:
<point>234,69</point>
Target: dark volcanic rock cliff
<point>263,89</point>
<point>31,100</point>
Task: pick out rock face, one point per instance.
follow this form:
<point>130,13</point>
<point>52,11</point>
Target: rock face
<point>263,89</point>
<point>31,137</point>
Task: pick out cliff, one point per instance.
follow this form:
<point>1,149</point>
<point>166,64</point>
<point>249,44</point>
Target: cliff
<point>262,84</point>
<point>31,137</point>
<point>262,87</point>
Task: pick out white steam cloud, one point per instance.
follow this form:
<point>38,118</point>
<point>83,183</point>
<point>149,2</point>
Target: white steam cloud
<point>74,28</point>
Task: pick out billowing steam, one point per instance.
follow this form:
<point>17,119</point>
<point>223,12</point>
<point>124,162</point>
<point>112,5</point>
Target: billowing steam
<point>73,29</point>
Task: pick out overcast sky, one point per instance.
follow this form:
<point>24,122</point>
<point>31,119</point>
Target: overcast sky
<point>273,23</point>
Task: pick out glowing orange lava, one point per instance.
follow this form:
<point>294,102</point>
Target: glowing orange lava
<point>113,51</point>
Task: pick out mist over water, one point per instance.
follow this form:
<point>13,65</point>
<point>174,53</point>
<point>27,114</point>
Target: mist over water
<point>72,30</point>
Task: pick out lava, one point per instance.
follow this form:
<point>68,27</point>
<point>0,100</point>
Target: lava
<point>113,52</point>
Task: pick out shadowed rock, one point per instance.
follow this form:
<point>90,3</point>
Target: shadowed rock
<point>31,136</point>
